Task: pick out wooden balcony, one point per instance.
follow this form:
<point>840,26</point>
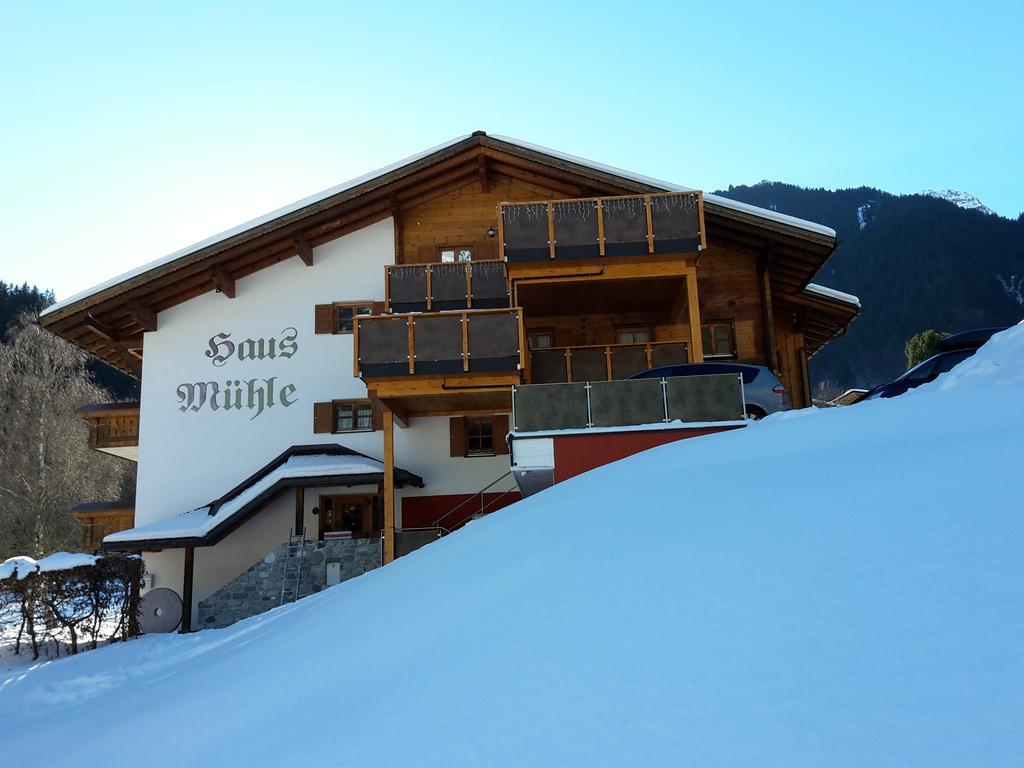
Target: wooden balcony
<point>113,428</point>
<point>446,286</point>
<point>592,228</point>
<point>607,362</point>
<point>486,341</point>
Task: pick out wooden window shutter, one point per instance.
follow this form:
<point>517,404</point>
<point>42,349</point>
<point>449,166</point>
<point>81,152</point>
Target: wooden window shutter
<point>323,318</point>
<point>378,413</point>
<point>323,418</point>
<point>458,435</point>
<point>426,254</point>
<point>378,307</point>
<point>499,429</point>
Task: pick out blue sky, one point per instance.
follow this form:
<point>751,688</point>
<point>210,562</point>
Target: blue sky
<point>133,129</point>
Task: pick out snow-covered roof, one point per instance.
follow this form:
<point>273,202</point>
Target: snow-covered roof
<point>200,522</point>
<point>832,293</point>
<point>710,200</point>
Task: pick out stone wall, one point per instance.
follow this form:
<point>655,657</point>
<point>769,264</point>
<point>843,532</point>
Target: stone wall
<point>258,589</point>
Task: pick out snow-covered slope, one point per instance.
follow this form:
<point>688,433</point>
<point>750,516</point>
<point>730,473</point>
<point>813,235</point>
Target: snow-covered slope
<point>833,588</point>
<point>957,197</point>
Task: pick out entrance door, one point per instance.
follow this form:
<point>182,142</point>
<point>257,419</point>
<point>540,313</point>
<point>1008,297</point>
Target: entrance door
<point>349,517</point>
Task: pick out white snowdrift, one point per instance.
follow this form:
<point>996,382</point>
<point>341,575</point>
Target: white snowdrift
<point>834,588</point>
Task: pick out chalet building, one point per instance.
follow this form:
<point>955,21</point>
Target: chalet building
<point>336,383</point>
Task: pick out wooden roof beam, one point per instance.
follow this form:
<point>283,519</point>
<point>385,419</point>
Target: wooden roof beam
<point>303,248</point>
<point>481,167</point>
<point>222,282</point>
<point>130,360</point>
<point>142,315</point>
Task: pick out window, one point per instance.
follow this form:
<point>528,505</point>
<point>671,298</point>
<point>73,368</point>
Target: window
<point>480,437</point>
<point>541,339</point>
<point>344,315</point>
<point>633,335</point>
<point>717,340</point>
<point>450,253</point>
<point>353,416</point>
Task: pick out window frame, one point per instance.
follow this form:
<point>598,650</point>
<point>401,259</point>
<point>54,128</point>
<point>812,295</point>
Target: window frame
<point>354,405</point>
<point>355,305</point>
<point>621,329</point>
<point>455,250</point>
<point>479,421</point>
<point>715,354</point>
<point>530,335</point>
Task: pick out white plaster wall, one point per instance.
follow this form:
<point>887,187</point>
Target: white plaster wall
<point>188,459</point>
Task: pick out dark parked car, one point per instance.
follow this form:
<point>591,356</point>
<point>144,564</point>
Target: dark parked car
<point>762,392</point>
<point>953,350</point>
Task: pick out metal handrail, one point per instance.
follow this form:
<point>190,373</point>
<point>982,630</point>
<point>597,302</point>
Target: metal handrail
<point>464,502</point>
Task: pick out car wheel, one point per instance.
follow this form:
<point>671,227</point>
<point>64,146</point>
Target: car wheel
<point>754,413</point>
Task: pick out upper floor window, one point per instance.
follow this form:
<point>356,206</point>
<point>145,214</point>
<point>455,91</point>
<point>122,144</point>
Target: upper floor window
<point>716,339</point>
<point>345,314</point>
<point>633,335</point>
<point>541,339</point>
<point>450,253</point>
<point>353,416</point>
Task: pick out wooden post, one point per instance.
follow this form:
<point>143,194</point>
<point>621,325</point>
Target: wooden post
<point>763,264</point>
<point>300,510</point>
<point>186,591</point>
<point>696,342</point>
<point>805,378</point>
<point>551,230</point>
<point>389,486</point>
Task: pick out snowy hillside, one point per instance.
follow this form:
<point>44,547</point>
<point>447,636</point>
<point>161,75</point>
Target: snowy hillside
<point>833,588</point>
<point>962,199</point>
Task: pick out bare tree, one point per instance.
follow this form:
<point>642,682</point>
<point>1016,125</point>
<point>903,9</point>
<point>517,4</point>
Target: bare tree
<point>46,466</point>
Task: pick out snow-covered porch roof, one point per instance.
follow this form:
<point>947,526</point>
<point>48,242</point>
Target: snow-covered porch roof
<point>300,466</point>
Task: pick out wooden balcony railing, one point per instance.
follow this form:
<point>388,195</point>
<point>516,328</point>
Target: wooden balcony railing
<point>112,425</point>
<point>446,286</point>
<point>607,362</point>
<point>439,343</point>
<point>589,228</point>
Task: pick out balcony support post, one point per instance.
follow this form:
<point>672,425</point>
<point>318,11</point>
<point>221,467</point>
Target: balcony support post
<point>693,300</point>
<point>389,486</point>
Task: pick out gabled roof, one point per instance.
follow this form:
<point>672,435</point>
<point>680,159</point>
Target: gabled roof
<point>321,465</point>
<point>108,318</point>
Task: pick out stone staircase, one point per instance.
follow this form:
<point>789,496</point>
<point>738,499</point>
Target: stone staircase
<point>258,589</point>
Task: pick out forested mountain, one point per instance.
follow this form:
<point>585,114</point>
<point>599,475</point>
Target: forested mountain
<point>915,261</point>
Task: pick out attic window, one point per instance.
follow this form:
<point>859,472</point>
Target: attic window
<point>452,253</point>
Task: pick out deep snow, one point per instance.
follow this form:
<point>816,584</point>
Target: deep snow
<point>834,588</point>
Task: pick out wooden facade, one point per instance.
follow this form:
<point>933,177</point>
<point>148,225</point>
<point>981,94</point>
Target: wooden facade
<point>99,520</point>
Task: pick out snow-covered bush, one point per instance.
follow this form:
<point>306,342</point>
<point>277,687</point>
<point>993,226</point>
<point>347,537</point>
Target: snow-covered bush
<point>66,599</point>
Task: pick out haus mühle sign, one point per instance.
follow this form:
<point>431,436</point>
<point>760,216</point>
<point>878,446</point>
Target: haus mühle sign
<point>252,395</point>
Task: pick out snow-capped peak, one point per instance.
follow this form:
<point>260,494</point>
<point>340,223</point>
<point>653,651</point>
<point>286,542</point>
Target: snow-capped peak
<point>962,199</point>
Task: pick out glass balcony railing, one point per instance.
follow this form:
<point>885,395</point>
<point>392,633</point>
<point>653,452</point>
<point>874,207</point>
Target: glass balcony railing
<point>439,343</point>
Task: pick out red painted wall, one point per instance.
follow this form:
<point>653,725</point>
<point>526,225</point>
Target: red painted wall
<point>425,511</point>
<point>576,454</point>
